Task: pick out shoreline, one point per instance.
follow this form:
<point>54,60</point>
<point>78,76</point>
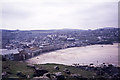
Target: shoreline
<point>73,47</point>
<point>42,57</point>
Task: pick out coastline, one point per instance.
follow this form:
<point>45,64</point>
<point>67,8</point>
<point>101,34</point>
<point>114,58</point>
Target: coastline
<point>64,56</point>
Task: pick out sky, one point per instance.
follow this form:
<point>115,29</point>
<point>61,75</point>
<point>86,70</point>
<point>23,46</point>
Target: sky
<point>58,14</point>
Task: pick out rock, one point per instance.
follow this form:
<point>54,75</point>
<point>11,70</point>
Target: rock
<point>3,59</point>
<point>91,64</point>
<point>28,76</point>
<point>20,74</point>
<point>40,72</point>
<point>59,76</point>
<point>44,78</point>
<point>47,74</point>
<point>110,65</point>
<point>75,75</point>
<point>30,65</point>
<point>66,71</point>
<point>41,78</point>
<point>56,67</point>
<point>4,74</point>
<point>6,67</point>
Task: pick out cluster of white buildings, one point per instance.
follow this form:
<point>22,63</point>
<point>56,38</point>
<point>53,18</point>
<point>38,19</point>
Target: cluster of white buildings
<point>26,53</point>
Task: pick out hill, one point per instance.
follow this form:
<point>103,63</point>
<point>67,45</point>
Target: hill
<point>23,71</point>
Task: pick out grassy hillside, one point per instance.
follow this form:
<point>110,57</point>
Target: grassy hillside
<point>23,71</point>
<point>13,67</point>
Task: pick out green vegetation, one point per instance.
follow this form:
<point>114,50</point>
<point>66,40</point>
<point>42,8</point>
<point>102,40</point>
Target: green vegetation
<point>23,71</point>
<point>13,67</point>
<point>50,68</point>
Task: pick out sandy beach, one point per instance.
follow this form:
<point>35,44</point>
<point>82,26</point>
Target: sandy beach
<point>83,55</point>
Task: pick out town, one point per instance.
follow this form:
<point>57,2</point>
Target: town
<point>18,46</point>
<point>21,45</point>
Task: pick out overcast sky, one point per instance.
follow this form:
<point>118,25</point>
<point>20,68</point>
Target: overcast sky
<point>59,14</point>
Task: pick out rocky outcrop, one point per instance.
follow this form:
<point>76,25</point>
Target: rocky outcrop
<point>31,65</point>
<point>56,67</point>
<point>40,72</point>
<point>59,76</point>
<point>41,78</point>
<point>75,76</point>
<point>66,71</point>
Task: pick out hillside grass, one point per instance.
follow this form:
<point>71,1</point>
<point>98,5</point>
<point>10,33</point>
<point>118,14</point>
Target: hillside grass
<point>73,70</point>
<point>14,66</point>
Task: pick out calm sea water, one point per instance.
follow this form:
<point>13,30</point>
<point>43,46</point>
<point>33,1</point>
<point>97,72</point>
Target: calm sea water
<point>96,54</point>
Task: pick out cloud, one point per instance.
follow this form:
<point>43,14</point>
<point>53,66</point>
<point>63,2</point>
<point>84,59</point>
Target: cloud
<point>9,12</point>
<point>52,14</point>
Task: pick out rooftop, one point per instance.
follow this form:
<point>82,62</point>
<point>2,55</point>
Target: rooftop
<point>6,51</point>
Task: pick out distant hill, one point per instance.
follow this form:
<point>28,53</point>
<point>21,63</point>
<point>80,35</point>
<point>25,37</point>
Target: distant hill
<point>112,33</point>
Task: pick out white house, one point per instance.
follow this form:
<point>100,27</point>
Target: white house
<point>8,54</point>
